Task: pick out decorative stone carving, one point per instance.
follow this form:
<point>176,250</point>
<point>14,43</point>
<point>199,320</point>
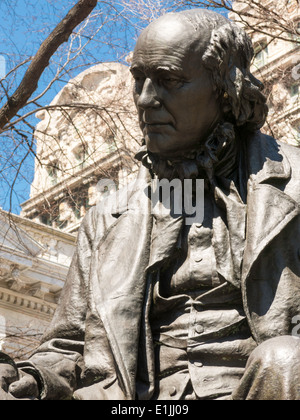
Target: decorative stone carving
<point>90,129</point>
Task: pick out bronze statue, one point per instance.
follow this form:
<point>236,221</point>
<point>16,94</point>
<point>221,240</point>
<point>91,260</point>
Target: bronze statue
<point>154,308</point>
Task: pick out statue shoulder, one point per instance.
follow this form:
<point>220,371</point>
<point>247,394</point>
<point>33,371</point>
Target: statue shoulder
<point>267,146</point>
<point>288,149</point>
<point>292,152</point>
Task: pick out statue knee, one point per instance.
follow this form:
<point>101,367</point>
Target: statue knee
<point>272,371</point>
<point>280,352</point>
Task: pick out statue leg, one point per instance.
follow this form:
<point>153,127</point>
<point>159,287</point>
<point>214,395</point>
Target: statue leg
<point>272,371</point>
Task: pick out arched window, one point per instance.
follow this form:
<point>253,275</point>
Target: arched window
<point>296,36</point>
<point>297,134</point>
<point>261,54</point>
<point>294,92</point>
<point>53,170</point>
<point>81,156</point>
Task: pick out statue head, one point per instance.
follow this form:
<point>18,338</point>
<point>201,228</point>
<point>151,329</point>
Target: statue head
<point>192,72</point>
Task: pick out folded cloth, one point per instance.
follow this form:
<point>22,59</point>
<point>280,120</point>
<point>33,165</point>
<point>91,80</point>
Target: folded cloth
<point>6,396</point>
<point>7,360</point>
<point>8,374</point>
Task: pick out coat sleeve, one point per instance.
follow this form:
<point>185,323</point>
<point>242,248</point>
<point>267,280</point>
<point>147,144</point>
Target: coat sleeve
<point>57,363</point>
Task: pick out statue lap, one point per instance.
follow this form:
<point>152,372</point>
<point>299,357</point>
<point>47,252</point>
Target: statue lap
<point>272,371</point>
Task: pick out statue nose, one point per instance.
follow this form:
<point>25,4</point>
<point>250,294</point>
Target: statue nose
<point>149,96</point>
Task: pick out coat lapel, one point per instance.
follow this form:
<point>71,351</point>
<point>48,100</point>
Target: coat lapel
<point>119,283</point>
<point>269,208</point>
<point>165,236</point>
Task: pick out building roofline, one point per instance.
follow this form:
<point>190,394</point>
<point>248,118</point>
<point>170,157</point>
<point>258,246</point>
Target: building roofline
<point>22,221</point>
<point>85,175</point>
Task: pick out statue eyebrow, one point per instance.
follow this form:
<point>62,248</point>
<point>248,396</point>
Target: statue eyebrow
<point>172,68</point>
<point>169,68</point>
<point>135,68</point>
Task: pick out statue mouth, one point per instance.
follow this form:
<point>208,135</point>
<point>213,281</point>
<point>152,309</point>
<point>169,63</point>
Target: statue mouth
<point>157,123</point>
<point>156,126</point>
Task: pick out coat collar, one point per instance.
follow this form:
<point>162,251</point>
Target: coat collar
<point>266,160</point>
<point>269,208</point>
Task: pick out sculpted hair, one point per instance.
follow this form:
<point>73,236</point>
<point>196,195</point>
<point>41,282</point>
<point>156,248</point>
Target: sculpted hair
<point>228,57</point>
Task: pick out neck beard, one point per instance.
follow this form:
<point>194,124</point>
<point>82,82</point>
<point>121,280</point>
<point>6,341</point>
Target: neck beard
<point>217,156</point>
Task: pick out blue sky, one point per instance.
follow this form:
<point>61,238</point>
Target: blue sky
<point>25,24</point>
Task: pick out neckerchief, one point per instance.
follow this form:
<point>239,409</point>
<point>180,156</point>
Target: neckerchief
<point>220,161</point>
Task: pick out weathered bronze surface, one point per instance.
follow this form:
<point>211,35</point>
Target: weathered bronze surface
<point>155,308</point>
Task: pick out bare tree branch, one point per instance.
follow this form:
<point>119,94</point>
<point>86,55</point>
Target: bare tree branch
<point>41,60</point>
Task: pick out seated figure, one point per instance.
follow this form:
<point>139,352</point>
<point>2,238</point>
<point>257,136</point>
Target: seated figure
<point>156,308</point>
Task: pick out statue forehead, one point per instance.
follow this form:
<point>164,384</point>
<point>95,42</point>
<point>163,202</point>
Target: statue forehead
<point>168,28</point>
<point>171,35</point>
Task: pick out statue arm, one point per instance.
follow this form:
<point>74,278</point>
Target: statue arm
<point>56,365</point>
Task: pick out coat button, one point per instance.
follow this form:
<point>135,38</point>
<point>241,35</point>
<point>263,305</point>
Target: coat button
<point>198,364</point>
<point>199,329</point>
<point>173,391</point>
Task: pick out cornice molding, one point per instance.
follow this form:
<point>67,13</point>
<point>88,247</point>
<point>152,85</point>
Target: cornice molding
<point>29,305</point>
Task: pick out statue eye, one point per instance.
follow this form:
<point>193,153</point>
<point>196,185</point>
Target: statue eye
<point>139,81</point>
<point>171,82</point>
<point>139,78</point>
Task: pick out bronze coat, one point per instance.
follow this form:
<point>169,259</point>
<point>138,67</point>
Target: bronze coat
<point>101,329</point>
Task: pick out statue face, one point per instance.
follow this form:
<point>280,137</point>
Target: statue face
<point>177,103</point>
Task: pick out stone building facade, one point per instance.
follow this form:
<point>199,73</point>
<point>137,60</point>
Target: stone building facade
<point>88,133</point>
<point>87,136</point>
<point>277,64</point>
<point>34,261</point>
